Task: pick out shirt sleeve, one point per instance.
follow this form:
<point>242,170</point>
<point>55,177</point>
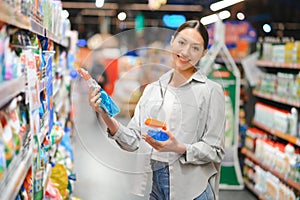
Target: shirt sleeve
<point>128,137</point>
<point>210,148</point>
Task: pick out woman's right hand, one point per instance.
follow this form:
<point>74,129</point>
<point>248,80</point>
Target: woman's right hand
<point>94,99</point>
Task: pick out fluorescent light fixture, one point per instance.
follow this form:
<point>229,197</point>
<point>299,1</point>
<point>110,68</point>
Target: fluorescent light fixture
<point>99,3</point>
<point>215,17</point>
<point>224,14</point>
<point>223,4</point>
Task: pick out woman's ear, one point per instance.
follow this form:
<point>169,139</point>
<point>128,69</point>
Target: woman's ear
<point>204,53</point>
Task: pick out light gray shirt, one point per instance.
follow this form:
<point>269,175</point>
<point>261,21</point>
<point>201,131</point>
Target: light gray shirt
<point>197,120</point>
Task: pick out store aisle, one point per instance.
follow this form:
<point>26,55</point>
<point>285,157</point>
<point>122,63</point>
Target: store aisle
<point>101,167</point>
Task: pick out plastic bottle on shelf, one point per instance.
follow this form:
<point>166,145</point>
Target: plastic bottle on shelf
<point>293,122</point>
<point>107,104</point>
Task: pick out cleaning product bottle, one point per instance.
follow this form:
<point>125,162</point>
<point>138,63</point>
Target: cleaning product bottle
<point>107,103</point>
<point>158,129</point>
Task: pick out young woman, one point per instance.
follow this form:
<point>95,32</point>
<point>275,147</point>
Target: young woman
<point>187,165</point>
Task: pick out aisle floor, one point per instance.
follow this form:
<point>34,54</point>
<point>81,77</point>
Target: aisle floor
<point>103,170</point>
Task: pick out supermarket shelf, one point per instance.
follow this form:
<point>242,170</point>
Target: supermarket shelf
<point>287,101</point>
<point>288,181</point>
<point>10,16</point>
<point>251,187</point>
<point>15,174</point>
<point>285,136</point>
<point>10,89</point>
<point>264,63</point>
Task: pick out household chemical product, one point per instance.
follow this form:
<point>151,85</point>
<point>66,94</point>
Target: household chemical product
<point>107,104</point>
<point>158,131</point>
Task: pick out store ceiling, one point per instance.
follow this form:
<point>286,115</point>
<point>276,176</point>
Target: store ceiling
<point>283,15</point>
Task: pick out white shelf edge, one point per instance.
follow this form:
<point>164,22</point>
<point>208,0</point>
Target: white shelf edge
<point>9,89</point>
<point>9,189</point>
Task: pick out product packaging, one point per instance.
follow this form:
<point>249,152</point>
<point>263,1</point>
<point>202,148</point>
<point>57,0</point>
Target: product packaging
<point>158,129</point>
<point>107,104</point>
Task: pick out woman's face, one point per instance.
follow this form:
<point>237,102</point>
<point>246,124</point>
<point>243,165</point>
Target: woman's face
<point>187,49</point>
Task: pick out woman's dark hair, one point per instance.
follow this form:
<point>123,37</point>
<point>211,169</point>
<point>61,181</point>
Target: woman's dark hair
<point>196,24</point>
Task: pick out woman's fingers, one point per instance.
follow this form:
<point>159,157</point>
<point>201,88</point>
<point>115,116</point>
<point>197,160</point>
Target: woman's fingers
<point>93,91</point>
<point>93,99</point>
<point>155,144</point>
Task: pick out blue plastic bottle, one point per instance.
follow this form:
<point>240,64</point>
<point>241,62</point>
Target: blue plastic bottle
<point>107,104</point>
<point>158,135</point>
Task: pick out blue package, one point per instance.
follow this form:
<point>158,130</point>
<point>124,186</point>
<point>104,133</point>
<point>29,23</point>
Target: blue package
<point>158,135</point>
<point>107,104</point>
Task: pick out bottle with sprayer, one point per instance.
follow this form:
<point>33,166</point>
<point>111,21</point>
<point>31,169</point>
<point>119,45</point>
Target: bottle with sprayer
<point>107,104</point>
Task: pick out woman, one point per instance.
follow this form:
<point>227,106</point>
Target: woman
<point>187,165</point>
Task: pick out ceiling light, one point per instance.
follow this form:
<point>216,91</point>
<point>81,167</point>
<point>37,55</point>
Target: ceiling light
<point>267,28</point>
<point>99,3</point>
<point>215,17</point>
<point>122,16</point>
<point>223,4</point>
<point>224,14</point>
<point>240,16</point>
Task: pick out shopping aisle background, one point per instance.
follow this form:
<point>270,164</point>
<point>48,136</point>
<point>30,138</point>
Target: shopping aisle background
<point>101,167</point>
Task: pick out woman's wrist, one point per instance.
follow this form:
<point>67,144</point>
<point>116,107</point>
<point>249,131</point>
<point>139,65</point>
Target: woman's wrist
<point>111,123</point>
<point>181,148</point>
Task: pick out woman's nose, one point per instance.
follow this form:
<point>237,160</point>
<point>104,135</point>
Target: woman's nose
<point>185,50</point>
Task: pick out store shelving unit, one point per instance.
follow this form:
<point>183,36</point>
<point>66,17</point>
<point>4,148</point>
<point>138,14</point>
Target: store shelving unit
<point>285,180</point>
<point>265,63</point>
<point>277,100</point>
<point>284,136</point>
<point>14,175</point>
<point>10,89</point>
<point>11,17</point>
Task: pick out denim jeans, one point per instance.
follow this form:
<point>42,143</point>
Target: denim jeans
<point>160,183</point>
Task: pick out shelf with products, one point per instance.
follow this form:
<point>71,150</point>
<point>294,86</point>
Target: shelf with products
<point>276,113</point>
<point>266,167</point>
<point>284,136</point>
<point>14,176</point>
<point>10,89</point>
<point>250,186</point>
<point>12,16</point>
<point>265,63</point>
<point>276,98</point>
<point>31,72</point>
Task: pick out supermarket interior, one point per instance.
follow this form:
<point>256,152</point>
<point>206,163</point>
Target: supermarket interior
<point>54,146</point>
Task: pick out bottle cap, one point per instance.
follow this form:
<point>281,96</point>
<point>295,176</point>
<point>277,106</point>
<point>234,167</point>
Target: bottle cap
<point>84,74</point>
<point>155,123</point>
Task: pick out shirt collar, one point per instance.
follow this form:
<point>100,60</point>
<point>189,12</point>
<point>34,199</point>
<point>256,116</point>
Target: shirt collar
<point>197,76</point>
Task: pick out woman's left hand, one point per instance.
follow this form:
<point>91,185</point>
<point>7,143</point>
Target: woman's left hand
<point>170,145</point>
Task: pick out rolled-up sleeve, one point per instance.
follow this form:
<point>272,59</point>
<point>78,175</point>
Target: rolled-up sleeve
<point>128,137</point>
<point>210,148</point>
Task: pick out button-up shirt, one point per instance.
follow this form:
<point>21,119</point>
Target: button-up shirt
<point>197,120</point>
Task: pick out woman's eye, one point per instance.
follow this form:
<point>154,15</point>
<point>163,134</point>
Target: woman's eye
<point>196,49</point>
<point>180,42</point>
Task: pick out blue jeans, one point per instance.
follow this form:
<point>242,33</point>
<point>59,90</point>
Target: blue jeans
<point>160,183</point>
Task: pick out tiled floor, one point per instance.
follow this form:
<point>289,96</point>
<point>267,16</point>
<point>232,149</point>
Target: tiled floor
<point>104,170</point>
